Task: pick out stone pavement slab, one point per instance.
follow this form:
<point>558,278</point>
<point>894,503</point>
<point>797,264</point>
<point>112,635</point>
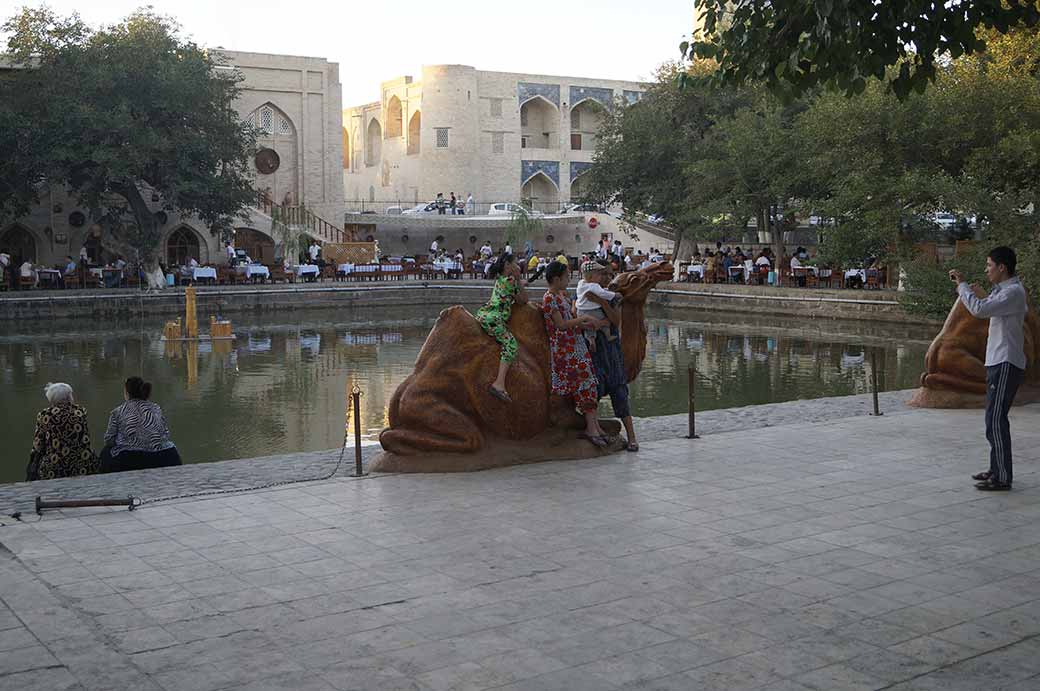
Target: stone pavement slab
<point>843,554</point>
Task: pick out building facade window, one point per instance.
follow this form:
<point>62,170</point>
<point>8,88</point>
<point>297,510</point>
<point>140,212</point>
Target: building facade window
<point>393,118</point>
<point>496,107</point>
<point>576,119</point>
<point>523,142</point>
<point>442,137</point>
<point>182,245</point>
<point>268,122</point>
<point>575,141</point>
<point>497,142</point>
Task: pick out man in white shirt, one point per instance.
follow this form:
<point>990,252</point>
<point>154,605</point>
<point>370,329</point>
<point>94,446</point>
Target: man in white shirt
<point>230,251</point>
<point>509,250</point>
<point>27,269</point>
<point>796,264</point>
<point>763,260</point>
<point>192,263</point>
<point>1005,307</point>
<point>120,263</point>
<point>313,252</point>
<point>433,248</point>
<point>486,251</point>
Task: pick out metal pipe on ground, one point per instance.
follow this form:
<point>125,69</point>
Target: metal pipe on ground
<point>130,502</point>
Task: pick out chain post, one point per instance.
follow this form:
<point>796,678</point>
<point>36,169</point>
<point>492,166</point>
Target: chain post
<point>355,399</point>
<point>692,375</point>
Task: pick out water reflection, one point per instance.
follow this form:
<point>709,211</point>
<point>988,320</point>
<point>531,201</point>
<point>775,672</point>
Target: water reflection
<point>282,386</point>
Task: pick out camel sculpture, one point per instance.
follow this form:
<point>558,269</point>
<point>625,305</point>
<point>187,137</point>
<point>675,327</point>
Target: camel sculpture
<point>443,419</point>
<point>955,369</point>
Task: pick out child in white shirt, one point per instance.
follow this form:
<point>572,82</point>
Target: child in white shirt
<point>589,287</point>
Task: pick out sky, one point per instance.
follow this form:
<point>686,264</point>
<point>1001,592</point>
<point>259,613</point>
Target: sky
<point>378,40</point>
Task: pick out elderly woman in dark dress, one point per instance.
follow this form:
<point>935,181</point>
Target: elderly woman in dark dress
<point>609,363</point>
<point>61,442</point>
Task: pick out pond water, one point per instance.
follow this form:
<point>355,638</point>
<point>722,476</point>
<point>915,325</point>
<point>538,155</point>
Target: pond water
<point>282,385</point>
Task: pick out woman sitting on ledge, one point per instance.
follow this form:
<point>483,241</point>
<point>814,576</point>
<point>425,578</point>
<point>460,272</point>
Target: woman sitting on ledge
<point>137,436</point>
<point>61,442</point>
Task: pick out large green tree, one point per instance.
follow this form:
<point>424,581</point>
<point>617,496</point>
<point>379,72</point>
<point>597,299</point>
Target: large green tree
<point>795,46</point>
<point>129,117</point>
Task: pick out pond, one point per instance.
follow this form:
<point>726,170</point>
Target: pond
<point>281,386</point>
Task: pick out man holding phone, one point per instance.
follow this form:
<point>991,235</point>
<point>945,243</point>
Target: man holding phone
<point>1006,308</point>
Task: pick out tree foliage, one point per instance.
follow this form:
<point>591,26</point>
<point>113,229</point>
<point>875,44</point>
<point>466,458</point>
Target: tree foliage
<point>128,117</point>
<point>873,167</point>
<point>795,46</point>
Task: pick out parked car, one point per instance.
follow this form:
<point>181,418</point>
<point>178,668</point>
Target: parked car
<point>944,219</point>
<point>581,209</point>
<point>655,219</point>
<point>394,210</point>
<point>509,209</point>
<point>427,208</point>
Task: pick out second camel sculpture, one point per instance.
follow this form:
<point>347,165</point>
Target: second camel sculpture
<point>443,419</point>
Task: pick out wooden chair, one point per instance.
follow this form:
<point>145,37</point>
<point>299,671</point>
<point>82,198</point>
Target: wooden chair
<point>225,275</point>
<point>328,271</point>
<point>811,279</point>
<point>873,279</point>
<point>278,273</point>
<point>837,278</point>
<point>798,277</point>
<point>26,282</point>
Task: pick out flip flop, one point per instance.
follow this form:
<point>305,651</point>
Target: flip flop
<point>981,477</point>
<point>992,486</point>
<point>594,439</point>
<point>500,395</point>
<point>632,446</point>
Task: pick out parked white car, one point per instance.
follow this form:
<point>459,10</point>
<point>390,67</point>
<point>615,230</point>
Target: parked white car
<point>394,211</point>
<point>509,208</point>
<point>427,208</point>
<point>944,219</point>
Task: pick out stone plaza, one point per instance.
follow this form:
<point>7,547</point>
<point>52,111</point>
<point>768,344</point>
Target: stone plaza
<point>848,553</point>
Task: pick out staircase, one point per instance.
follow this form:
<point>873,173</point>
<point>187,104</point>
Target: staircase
<point>301,219</point>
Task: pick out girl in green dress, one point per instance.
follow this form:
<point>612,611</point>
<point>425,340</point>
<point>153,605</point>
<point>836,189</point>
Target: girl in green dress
<point>494,316</point>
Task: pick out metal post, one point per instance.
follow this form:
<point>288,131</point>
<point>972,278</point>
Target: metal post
<point>692,373</point>
<point>129,502</point>
<point>356,400</point>
<point>874,382</point>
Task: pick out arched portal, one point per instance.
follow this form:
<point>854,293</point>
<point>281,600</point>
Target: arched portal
<point>182,245</point>
<point>394,118</point>
<point>540,192</point>
<point>259,246</point>
<point>539,124</point>
<point>373,143</point>
<point>20,243</point>
<point>278,176</point>
<point>586,120</point>
<point>579,189</point>
<point>346,149</point>
<point>414,132</point>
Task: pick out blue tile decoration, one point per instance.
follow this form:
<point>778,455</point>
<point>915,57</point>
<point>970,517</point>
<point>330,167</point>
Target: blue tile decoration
<point>526,90</point>
<point>605,97</point>
<point>529,168</point>
<point>632,96</point>
<point>579,167</point>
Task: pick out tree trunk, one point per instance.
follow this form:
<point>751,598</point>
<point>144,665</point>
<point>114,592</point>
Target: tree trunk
<point>145,241</point>
<point>677,252</point>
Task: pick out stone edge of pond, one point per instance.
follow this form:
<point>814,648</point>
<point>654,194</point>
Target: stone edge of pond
<point>246,474</point>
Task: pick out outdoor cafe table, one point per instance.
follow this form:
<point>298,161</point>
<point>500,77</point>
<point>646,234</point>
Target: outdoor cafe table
<point>253,271</point>
<point>447,267</point>
<point>200,272</point>
<point>695,269</point>
<point>50,277</point>
<point>304,270</point>
<point>108,277</point>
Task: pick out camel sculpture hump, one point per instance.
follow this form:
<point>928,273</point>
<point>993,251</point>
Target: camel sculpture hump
<point>443,415</point>
<point>955,365</point>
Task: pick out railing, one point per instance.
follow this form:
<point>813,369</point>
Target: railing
<point>476,208</point>
<point>301,218</point>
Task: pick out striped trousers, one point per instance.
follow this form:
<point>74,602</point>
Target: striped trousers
<point>1002,382</point>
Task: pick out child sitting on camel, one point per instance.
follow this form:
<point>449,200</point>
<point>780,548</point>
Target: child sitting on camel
<point>493,317</point>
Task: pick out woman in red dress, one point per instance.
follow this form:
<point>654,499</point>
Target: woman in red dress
<point>572,372</point>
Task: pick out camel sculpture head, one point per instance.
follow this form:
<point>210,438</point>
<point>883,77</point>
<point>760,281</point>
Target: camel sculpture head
<point>635,287</point>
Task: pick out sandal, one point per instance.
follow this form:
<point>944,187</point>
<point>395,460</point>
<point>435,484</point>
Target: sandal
<point>632,446</point>
<point>981,477</point>
<point>595,439</point>
<point>993,486</point>
<point>500,395</point>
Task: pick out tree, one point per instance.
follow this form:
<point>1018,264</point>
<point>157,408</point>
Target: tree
<point>795,46</point>
<point>127,116</point>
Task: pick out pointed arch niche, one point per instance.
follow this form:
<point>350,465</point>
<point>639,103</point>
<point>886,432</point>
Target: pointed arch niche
<point>414,132</point>
<point>276,131</point>
<point>394,118</point>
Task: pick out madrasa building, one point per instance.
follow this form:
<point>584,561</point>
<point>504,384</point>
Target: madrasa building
<point>498,136</point>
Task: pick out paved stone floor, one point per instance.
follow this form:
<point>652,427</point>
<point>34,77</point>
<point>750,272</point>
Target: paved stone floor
<point>850,554</point>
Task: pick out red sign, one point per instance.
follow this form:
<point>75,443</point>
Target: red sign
<point>593,223</point>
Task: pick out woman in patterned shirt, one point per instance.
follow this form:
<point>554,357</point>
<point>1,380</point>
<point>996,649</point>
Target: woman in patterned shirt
<point>137,436</point>
<point>61,442</point>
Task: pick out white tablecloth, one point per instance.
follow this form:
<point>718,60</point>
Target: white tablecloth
<point>857,273</point>
<point>347,269</point>
<point>306,270</point>
<point>250,270</point>
<point>391,267</point>
<point>696,269</point>
<point>203,272</point>
<point>51,276</point>
<point>445,267</point>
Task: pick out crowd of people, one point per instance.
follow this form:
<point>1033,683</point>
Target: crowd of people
<point>137,436</point>
<point>18,272</point>
<point>456,206</point>
<point>723,263</point>
<point>584,338</point>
